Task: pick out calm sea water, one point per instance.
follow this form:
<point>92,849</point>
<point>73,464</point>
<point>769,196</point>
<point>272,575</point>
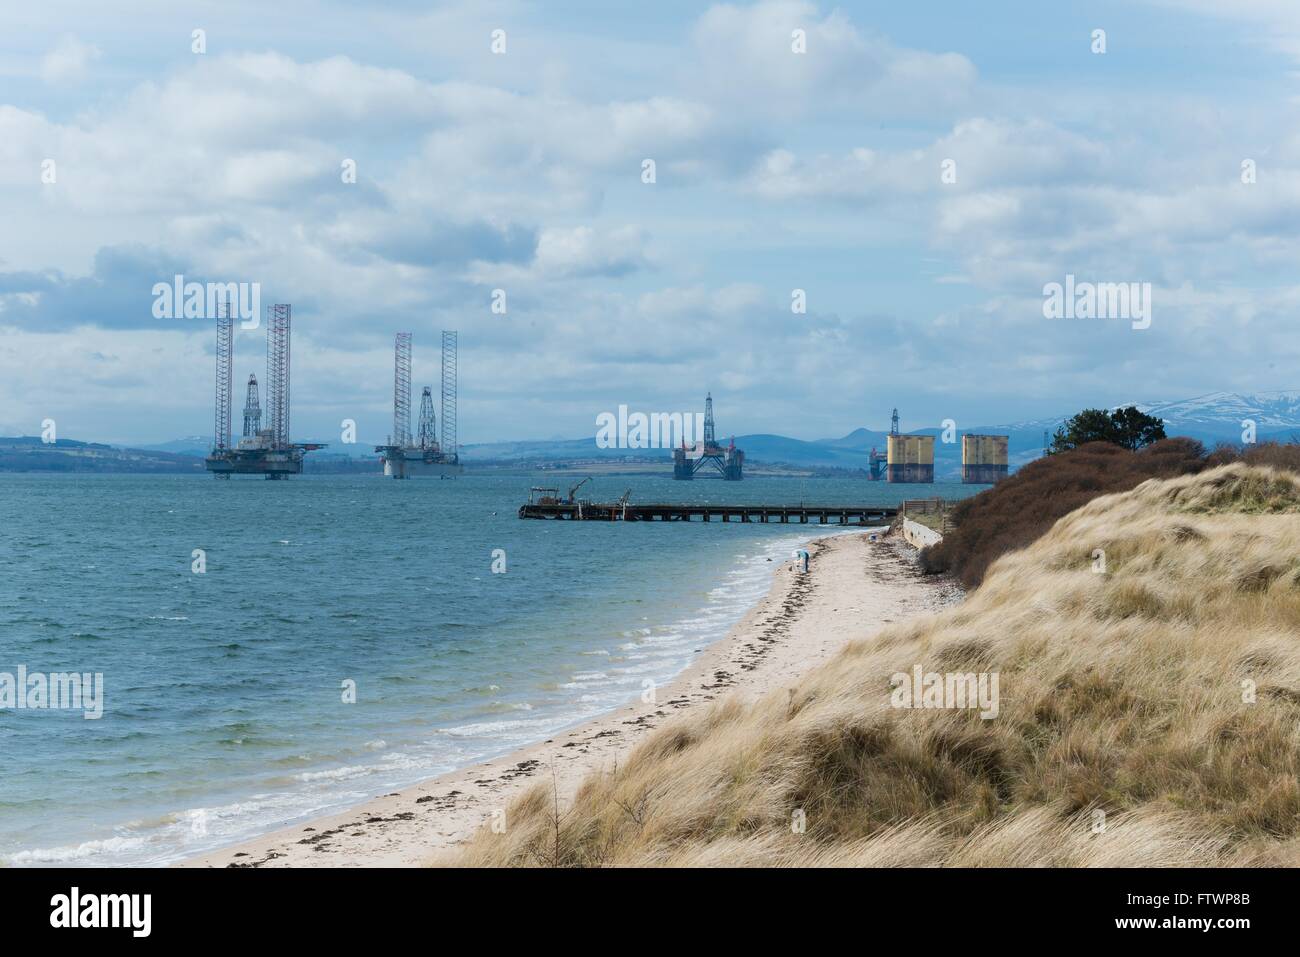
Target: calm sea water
<point>223,712</point>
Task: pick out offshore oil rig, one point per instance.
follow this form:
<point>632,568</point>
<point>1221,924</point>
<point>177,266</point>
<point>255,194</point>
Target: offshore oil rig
<point>404,455</point>
<point>910,458</point>
<point>260,451</point>
<point>729,462</point>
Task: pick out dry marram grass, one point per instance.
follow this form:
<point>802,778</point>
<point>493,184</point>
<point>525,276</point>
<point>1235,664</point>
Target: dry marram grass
<point>1120,692</point>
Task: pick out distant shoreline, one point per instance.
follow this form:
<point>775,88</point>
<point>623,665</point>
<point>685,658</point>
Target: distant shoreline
<point>853,588</point>
<point>127,462</point>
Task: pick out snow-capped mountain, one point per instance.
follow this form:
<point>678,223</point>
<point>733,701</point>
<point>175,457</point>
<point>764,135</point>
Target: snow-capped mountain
<point>1268,410</point>
<point>1217,414</point>
<point>1212,418</point>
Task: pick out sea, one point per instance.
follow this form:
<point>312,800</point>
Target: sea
<point>274,651</point>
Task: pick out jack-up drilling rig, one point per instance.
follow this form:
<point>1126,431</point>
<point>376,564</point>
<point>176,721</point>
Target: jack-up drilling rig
<point>728,462</point>
<point>403,456</point>
<point>260,451</point>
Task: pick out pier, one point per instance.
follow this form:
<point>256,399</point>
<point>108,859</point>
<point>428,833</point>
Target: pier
<point>783,514</point>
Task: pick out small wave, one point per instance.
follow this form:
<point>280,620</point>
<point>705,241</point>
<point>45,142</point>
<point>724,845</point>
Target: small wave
<point>495,728</point>
<point>76,852</point>
<point>146,824</point>
<point>504,707</point>
<point>333,774</point>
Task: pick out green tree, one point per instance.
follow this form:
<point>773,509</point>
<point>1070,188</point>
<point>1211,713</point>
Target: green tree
<point>1128,428</point>
<point>1137,429</point>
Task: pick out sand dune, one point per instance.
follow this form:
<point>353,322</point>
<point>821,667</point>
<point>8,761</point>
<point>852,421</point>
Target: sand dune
<point>1148,650</point>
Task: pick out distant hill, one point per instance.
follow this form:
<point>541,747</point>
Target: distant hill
<point>1212,418</point>
<point>1270,410</point>
<point>849,452</point>
<point>193,445</point>
<point>27,453</point>
<point>551,450</point>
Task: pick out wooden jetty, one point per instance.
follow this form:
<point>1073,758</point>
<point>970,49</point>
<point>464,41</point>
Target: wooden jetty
<point>545,502</point>
<point>784,514</point>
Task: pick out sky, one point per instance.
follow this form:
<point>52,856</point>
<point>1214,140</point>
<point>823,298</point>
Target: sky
<point>920,172</point>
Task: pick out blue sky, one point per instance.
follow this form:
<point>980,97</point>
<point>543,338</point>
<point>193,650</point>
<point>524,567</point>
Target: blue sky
<point>775,171</point>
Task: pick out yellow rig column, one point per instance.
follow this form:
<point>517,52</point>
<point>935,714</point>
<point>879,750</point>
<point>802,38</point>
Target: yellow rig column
<point>910,458</point>
<point>983,458</point>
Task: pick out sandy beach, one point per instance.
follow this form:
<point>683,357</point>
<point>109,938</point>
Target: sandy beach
<point>853,587</point>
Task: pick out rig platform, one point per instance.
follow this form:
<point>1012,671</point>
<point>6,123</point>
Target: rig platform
<point>259,459</point>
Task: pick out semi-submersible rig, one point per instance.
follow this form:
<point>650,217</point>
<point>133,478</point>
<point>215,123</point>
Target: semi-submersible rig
<point>728,462</point>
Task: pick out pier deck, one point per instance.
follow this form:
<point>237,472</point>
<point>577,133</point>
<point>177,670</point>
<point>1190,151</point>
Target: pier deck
<point>784,514</point>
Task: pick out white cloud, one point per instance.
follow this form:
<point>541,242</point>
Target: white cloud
<point>985,153</point>
<point>775,169</point>
<point>577,252</point>
<point>68,60</point>
<point>744,58</point>
<point>1276,23</point>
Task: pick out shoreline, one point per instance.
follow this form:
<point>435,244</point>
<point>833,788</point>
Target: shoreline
<point>852,589</point>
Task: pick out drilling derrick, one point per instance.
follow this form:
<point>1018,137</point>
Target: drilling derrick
<point>449,395</point>
<point>893,423</point>
<point>709,441</point>
<point>728,462</point>
<point>261,451</point>
<point>252,410</point>
<point>225,365</point>
<point>428,430</point>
